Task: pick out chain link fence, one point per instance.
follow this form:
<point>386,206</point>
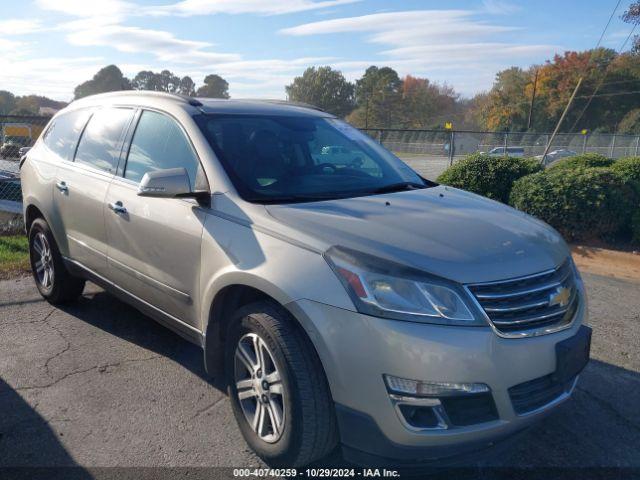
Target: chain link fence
<point>429,152</point>
<point>17,132</point>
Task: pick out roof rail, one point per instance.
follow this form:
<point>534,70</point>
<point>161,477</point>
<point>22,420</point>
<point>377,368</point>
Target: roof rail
<point>277,101</point>
<point>150,93</point>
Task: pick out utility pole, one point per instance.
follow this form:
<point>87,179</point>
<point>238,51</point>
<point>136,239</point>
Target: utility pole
<point>533,99</point>
<point>564,114</point>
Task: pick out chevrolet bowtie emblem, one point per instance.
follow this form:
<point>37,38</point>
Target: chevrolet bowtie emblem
<point>560,296</point>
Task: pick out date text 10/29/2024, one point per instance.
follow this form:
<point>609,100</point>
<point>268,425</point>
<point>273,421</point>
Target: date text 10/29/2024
<point>316,472</point>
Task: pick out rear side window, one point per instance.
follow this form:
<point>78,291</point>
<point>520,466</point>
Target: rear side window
<point>159,143</point>
<point>101,140</point>
<point>62,136</point>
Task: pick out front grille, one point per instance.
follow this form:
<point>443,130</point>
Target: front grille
<point>523,304</point>
<point>529,396</point>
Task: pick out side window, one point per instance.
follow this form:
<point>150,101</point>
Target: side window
<point>99,146</point>
<point>62,136</point>
<point>159,143</point>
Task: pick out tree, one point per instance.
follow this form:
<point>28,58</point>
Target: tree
<point>426,104</point>
<point>472,111</point>
<point>168,82</point>
<point>187,87</point>
<point>378,99</point>
<point>214,87</point>
<point>632,15</point>
<point>630,123</point>
<point>108,79</point>
<point>145,80</point>
<point>325,88</point>
<point>165,81</point>
<point>507,106</point>
<point>7,102</point>
<point>606,94</point>
<point>31,104</point>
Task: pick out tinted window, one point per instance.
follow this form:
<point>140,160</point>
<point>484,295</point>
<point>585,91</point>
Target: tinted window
<point>100,142</point>
<point>159,143</point>
<point>62,136</point>
<point>281,159</point>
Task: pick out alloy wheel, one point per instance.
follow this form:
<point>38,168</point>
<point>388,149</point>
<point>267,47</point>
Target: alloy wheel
<point>259,387</point>
<point>43,260</point>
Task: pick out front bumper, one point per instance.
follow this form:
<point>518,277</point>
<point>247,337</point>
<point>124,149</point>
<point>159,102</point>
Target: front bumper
<point>357,350</point>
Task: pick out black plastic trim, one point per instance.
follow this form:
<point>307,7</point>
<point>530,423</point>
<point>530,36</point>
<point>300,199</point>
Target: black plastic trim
<point>363,443</point>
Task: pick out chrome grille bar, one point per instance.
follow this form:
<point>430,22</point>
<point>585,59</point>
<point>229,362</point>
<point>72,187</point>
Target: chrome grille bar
<point>517,305</point>
<point>515,309</point>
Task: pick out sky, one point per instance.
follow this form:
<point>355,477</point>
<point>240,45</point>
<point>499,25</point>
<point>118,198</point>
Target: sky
<point>259,46</point>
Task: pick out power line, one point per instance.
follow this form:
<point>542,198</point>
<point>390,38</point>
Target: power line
<point>575,90</point>
<point>613,94</point>
<point>607,25</point>
<point>604,75</point>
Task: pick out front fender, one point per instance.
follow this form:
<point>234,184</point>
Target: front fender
<point>237,254</point>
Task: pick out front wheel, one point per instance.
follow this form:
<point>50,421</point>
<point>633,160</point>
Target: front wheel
<point>53,280</point>
<point>277,387</point>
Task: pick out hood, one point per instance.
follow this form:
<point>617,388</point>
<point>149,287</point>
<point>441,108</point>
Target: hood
<point>441,230</point>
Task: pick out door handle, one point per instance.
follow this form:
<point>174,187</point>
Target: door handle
<point>62,186</point>
<point>117,207</point>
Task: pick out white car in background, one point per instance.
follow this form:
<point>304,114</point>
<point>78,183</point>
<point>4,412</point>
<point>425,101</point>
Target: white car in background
<point>556,155</point>
<point>510,152</point>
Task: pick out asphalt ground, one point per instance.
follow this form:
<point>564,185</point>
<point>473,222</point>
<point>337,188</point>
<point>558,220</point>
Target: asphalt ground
<point>97,384</point>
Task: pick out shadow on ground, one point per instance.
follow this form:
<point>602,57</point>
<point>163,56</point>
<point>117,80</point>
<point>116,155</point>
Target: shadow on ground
<point>104,311</point>
<point>27,440</point>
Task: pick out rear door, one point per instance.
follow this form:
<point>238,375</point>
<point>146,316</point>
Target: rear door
<point>154,243</point>
<point>81,185</point>
<point>58,146</point>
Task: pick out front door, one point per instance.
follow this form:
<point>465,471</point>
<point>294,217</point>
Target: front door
<point>154,243</point>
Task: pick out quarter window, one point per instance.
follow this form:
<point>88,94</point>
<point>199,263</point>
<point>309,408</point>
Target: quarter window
<point>159,143</point>
<point>101,140</point>
<point>62,136</point>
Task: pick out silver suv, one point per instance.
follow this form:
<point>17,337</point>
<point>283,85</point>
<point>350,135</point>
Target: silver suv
<point>345,302</point>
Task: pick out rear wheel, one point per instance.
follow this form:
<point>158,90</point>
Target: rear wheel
<point>53,280</point>
<point>277,387</point>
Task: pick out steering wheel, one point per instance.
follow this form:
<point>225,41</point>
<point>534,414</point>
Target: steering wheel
<point>323,166</point>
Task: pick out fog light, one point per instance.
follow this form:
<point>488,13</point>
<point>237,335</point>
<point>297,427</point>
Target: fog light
<point>417,388</point>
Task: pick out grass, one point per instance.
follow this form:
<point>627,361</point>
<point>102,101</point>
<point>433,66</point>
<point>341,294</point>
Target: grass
<point>14,255</point>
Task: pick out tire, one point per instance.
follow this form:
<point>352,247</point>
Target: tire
<point>308,430</point>
<point>53,280</point>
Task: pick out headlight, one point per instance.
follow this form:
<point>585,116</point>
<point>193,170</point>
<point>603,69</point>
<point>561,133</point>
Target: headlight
<point>385,289</point>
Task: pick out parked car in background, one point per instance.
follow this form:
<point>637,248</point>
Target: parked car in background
<point>556,155</point>
<point>411,322</point>
<point>15,136</point>
<point>10,149</point>
<point>509,152</point>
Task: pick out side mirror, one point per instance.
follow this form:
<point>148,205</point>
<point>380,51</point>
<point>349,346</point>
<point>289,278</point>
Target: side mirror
<point>171,182</point>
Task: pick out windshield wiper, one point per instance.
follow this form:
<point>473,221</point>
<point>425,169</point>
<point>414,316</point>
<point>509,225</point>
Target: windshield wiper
<point>317,197</point>
<point>399,187</point>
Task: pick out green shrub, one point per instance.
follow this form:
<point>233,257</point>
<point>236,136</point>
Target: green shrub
<point>586,160</point>
<point>488,176</point>
<point>582,204</point>
<point>635,227</point>
<point>628,168</point>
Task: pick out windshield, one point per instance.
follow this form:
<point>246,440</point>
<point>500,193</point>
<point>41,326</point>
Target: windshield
<point>281,159</point>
